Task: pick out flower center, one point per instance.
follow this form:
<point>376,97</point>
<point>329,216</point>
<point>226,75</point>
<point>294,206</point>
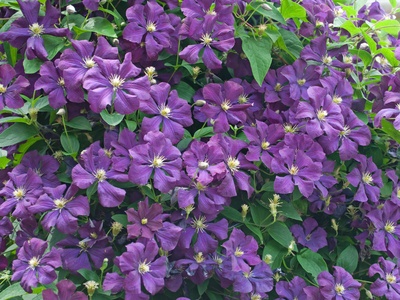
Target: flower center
<point>301,82</point>
<point>238,252</point>
<point>398,192</point>
<point>151,27</point>
<point>345,132</point>
<point>327,59</point>
<point>61,81</point>
<point>265,145</point>
<point>278,87</point>
<point>226,104</point>
<point>339,289</point>
<point>144,267</point>
<point>165,111</point>
<point>206,39</point>
<point>337,99</point>
<point>3,89</point>
<point>397,105</point>
<point>321,114</point>
<point>308,237</point>
<point>151,73</point>
<point>233,164</point>
<point>33,262</point>
<point>243,99</point>
<point>60,203</point>
<point>389,226</point>
<point>367,178</point>
<point>100,175</point>
<point>289,128</point>
<point>200,187</point>
<point>243,56</point>
<point>19,193</point>
<point>36,29</point>
<point>88,62</point>
<point>199,258</point>
<point>390,278</point>
<point>116,81</point>
<point>83,245</point>
<point>258,297</point>
<point>293,170</point>
<point>198,224</point>
<point>144,221</point>
<point>158,161</point>
<point>203,165</point>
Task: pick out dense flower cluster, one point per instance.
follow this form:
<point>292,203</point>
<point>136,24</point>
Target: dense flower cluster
<point>199,149</point>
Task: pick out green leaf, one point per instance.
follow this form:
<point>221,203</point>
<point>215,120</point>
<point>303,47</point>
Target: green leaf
<point>258,52</point>
<point>389,55</point>
<point>70,143</point>
<point>371,42</point>
<point>291,42</point>
<point>290,9</point>
<point>89,275</point>
<point>100,26</point>
<point>11,53</point>
<point>17,133</point>
<point>111,119</point>
<point>201,288</point>
<point>13,290</point>
<point>256,230</point>
<point>364,55</point>
<point>287,209</point>
<point>281,233</point>
<point>53,45</point>
<point>259,214</point>
<point>203,132</point>
<point>272,14</point>
<point>185,91</point>
<point>393,3</point>
<point>121,218</point>
<point>312,262</point>
<point>386,127</point>
<point>232,214</point>
<point>132,125</point>
<point>25,147</point>
<point>350,27</point>
<point>389,26</point>
<point>79,123</point>
<point>32,66</point>
<point>273,33</point>
<point>276,251</point>
<point>14,120</point>
<point>348,259</point>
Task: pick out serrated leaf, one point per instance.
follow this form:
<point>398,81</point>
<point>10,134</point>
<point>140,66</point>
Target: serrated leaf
<point>112,119</point>
<point>100,26</point>
<point>348,259</point>
<point>17,133</point>
<point>312,262</point>
<point>79,123</point>
<point>70,143</point>
<point>281,234</point>
<point>258,52</point>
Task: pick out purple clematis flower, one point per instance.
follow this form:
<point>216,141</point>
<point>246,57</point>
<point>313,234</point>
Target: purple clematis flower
<point>120,154</point>
<point>43,165</point>
<point>97,169</point>
<point>63,210</point>
<point>171,112</point>
<point>30,28</point>
<point>112,84</point>
<point>210,34</point>
<point>391,109</point>
<point>275,88</point>
<point>202,226</point>
<point>21,191</point>
<point>388,284</point>
<point>367,177</point>
<point>66,291</point>
<point>340,285</point>
<point>291,290</point>
<point>10,92</point>
<point>157,155</point>
<point>387,232</point>
<point>149,24</point>
<point>242,251</point>
<point>339,89</point>
<point>310,235</point>
<point>323,116</point>
<point>391,174</point>
<point>52,82</point>
<point>223,106</point>
<point>75,64</point>
<point>33,266</point>
<point>203,161</point>
<point>140,266</point>
<point>91,246</point>
<point>257,280</point>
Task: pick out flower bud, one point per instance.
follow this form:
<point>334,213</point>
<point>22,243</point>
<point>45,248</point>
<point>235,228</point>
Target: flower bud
<point>116,228</point>
<point>91,287</point>
<point>61,112</point>
<point>200,103</point>
<point>33,112</point>
<point>274,204</point>
<point>71,9</point>
<point>115,42</point>
<point>268,259</point>
<point>245,209</point>
<point>369,294</point>
<point>266,6</point>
